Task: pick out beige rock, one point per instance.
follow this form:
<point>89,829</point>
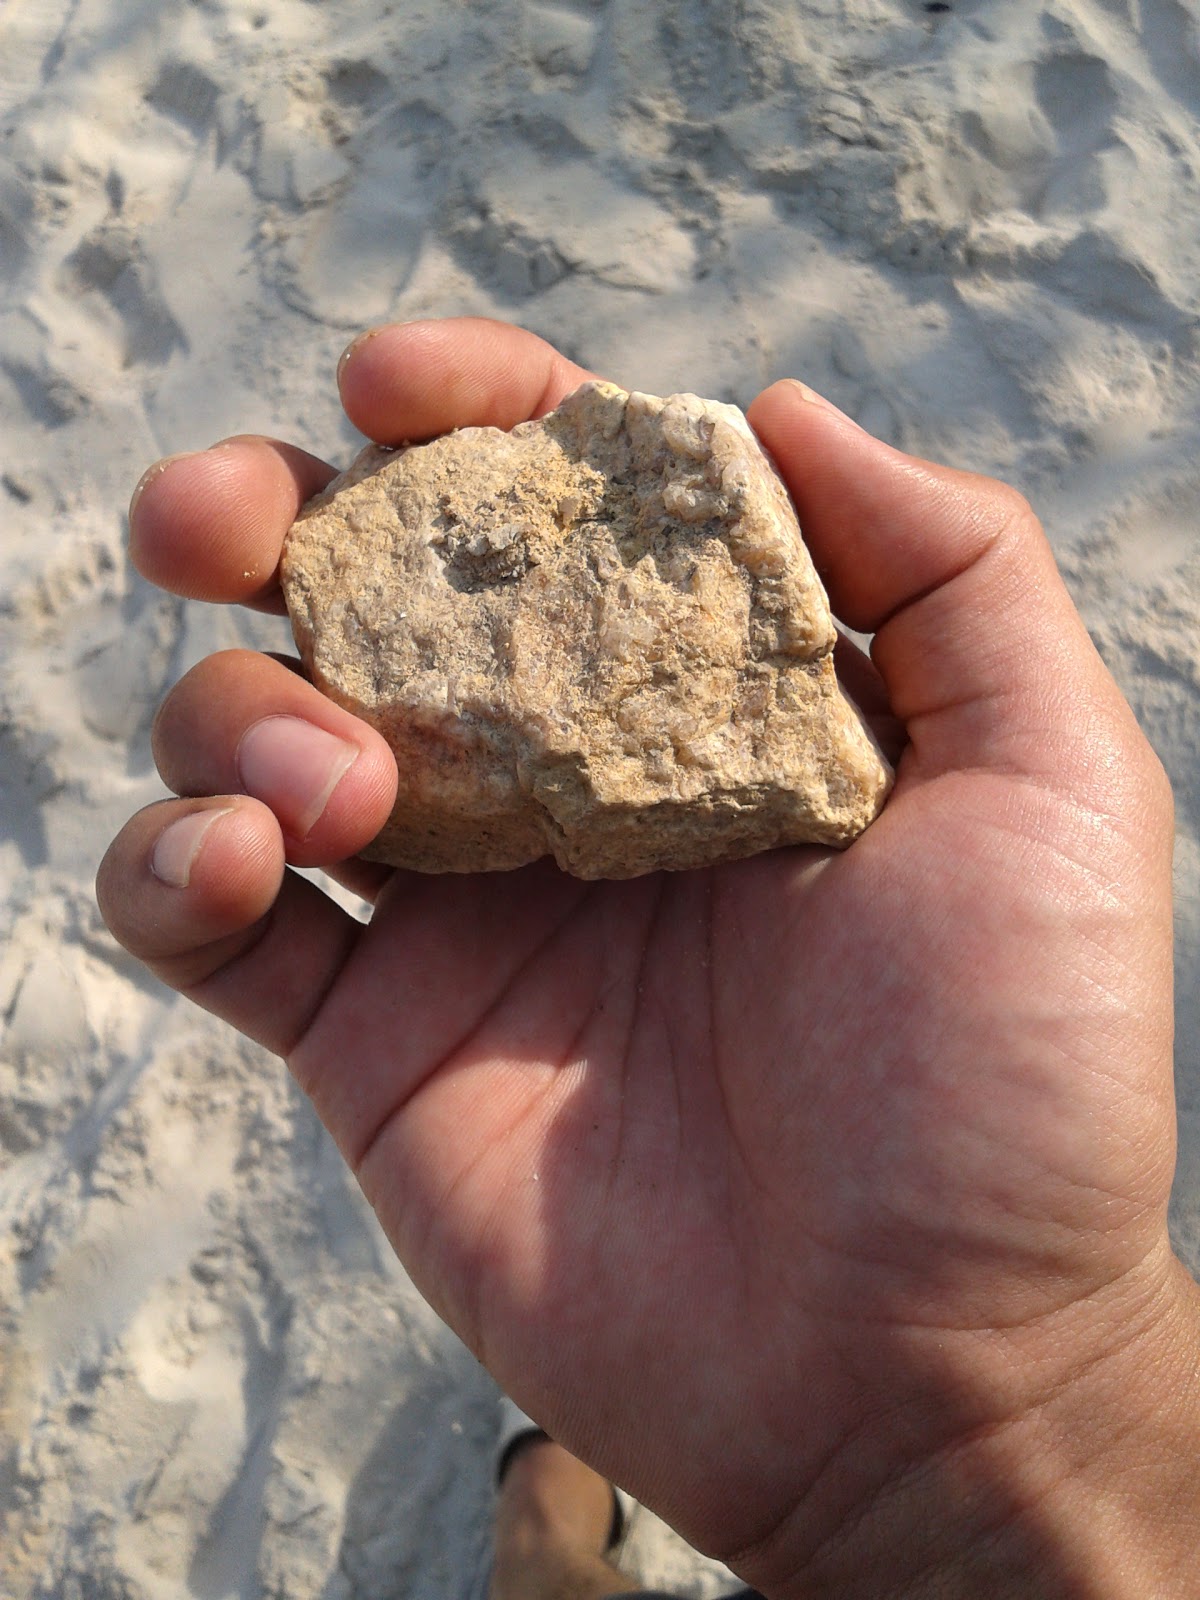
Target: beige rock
<point>598,637</point>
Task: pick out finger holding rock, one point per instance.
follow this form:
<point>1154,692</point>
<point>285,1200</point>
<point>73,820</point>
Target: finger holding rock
<point>210,525</point>
<point>415,380</point>
<point>243,723</point>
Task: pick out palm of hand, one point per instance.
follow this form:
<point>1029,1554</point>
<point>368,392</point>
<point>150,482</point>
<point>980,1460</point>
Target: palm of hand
<point>657,1141</point>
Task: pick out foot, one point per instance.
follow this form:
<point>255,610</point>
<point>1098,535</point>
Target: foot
<point>554,1520</point>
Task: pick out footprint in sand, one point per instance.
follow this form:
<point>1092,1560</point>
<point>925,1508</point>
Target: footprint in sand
<point>1170,36</point>
<point>536,221</point>
<point>1046,136</point>
<point>357,86</point>
<point>109,263</point>
<point>121,663</point>
<point>351,172</point>
<point>16,219</point>
<point>187,94</point>
<point>1079,100</point>
<point>375,214</point>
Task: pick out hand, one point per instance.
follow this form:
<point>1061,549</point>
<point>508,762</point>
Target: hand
<point>818,1199</point>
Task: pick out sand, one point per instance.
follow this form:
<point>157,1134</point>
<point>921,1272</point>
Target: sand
<point>976,227</point>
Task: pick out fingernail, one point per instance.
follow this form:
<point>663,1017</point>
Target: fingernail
<point>293,767</point>
<point>352,349</point>
<point>156,471</point>
<point>179,844</point>
<point>812,398</point>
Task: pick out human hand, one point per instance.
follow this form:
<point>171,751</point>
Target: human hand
<point>818,1199</point>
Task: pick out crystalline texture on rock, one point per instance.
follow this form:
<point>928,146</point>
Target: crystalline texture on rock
<point>598,637</point>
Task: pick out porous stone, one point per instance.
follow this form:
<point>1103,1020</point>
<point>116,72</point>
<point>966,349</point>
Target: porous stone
<point>598,637</point>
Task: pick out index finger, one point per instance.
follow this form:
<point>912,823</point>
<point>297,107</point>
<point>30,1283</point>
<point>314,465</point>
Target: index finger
<point>415,380</point>
<point>211,525</point>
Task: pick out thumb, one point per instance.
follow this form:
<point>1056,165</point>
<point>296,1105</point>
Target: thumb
<point>984,657</point>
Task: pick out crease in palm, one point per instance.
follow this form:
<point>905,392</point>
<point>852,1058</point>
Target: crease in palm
<point>710,1084</point>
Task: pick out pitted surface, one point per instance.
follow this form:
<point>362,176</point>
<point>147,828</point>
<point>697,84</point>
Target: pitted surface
<point>599,636</point>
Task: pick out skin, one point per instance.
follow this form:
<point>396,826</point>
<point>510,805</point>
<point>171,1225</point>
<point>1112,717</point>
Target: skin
<point>819,1199</point>
<point>554,1519</point>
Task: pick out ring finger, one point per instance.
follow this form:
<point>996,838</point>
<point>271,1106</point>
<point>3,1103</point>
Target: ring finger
<point>241,723</point>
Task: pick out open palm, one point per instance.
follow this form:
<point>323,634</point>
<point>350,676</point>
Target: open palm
<point>722,1172</point>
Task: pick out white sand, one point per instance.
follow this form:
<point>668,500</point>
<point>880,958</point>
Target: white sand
<point>977,229</point>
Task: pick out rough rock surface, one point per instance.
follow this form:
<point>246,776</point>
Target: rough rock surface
<point>598,637</point>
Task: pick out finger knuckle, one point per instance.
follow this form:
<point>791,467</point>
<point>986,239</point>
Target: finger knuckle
<point>1012,509</point>
<point>1159,793</point>
<point>1129,779</point>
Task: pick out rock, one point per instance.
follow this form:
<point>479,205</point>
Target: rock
<point>598,637</point>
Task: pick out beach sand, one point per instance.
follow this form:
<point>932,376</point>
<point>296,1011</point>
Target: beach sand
<point>975,227</point>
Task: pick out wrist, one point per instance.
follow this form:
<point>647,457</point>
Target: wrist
<point>1086,1484</point>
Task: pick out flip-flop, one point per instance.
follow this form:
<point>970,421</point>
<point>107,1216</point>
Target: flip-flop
<point>517,1430</point>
